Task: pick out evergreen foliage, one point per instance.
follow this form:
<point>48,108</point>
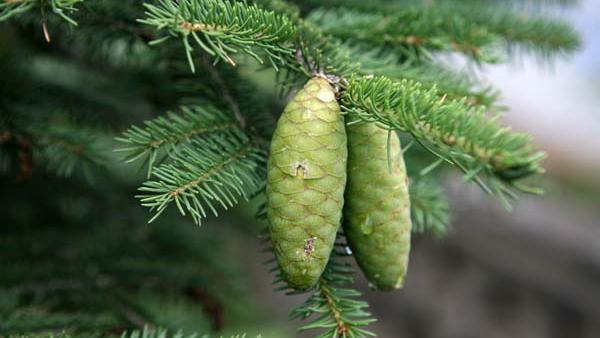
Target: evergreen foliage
<point>221,27</point>
<point>207,161</point>
<point>335,306</point>
<point>166,134</point>
<point>162,333</point>
<point>453,131</point>
<point>207,172</point>
<point>188,91</point>
<point>470,29</point>
<point>430,212</point>
<point>9,8</point>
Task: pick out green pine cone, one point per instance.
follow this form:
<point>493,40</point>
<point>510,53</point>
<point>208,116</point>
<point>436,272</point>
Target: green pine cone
<point>377,220</point>
<point>305,184</point>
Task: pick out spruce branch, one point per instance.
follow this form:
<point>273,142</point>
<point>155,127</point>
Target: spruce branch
<point>318,52</point>
<point>53,143</point>
<point>258,110</point>
<point>472,29</point>
<point>222,28</point>
<point>537,4</point>
<point>162,136</point>
<point>429,208</point>
<point>334,308</point>
<point>64,148</point>
<point>147,332</point>
<point>207,172</point>
<point>531,33</point>
<point>10,8</point>
<point>452,84</point>
<point>412,32</point>
<point>218,80</point>
<point>284,7</point>
<point>491,155</point>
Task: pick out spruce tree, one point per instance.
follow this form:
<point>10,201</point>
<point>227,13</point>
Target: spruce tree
<point>175,103</point>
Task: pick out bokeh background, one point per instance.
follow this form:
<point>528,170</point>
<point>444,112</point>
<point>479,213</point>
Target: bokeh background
<point>535,271</point>
<point>532,272</point>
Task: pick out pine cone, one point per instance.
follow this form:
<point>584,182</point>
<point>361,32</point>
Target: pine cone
<point>377,212</point>
<point>305,186</point>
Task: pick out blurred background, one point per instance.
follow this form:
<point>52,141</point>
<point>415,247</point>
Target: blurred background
<point>535,271</point>
<point>532,272</point>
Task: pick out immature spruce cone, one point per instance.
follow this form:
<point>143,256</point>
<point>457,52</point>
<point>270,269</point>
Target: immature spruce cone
<point>377,211</point>
<point>305,185</point>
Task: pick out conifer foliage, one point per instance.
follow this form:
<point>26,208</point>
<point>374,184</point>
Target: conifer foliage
<point>192,92</point>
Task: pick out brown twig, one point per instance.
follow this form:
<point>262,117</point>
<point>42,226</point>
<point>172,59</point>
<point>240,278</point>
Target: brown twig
<point>216,77</point>
<point>212,307</point>
<point>25,155</point>
<point>211,171</point>
<point>342,326</point>
<point>46,32</point>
